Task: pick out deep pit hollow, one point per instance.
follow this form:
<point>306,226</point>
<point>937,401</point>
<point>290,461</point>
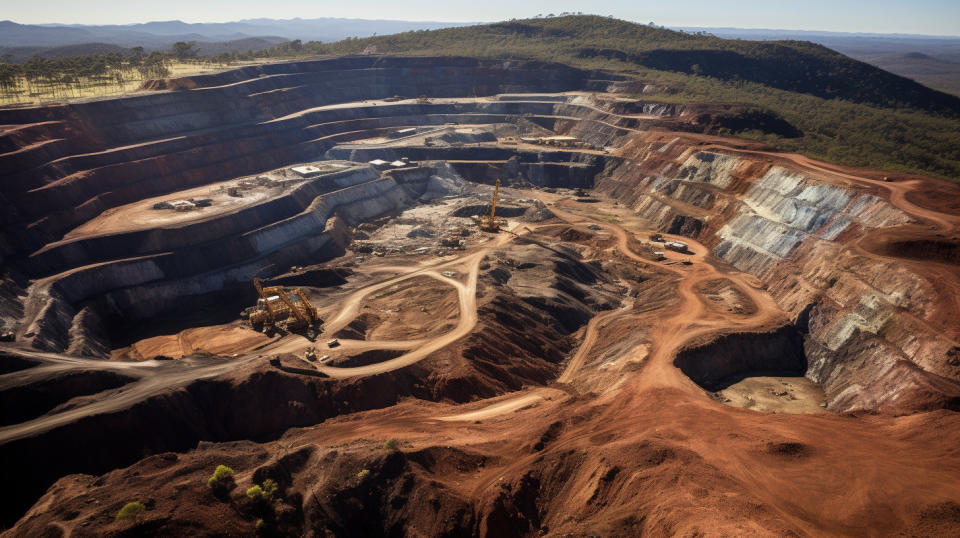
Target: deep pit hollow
<point>762,371</point>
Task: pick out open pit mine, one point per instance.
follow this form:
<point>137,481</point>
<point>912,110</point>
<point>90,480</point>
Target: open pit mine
<point>279,300</point>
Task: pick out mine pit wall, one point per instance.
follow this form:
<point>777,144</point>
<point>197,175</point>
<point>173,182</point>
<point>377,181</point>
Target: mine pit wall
<point>169,141</point>
<point>565,169</point>
<point>563,175</point>
<point>80,189</point>
<point>870,343</point>
<point>260,407</point>
<point>86,251</point>
<point>732,357</point>
<point>151,288</point>
<point>77,305</point>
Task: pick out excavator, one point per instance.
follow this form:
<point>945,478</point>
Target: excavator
<point>278,308</point>
<point>491,223</point>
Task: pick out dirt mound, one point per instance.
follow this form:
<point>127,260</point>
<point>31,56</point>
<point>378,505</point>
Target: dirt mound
<point>537,213</point>
<point>576,234</point>
<point>420,307</point>
<point>723,295</point>
<point>358,328</point>
<point>421,232</point>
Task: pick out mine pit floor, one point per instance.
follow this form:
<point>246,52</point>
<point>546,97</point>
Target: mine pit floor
<point>775,395</point>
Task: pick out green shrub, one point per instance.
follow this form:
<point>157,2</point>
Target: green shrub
<point>363,474</point>
<point>222,476</point>
<point>264,492</point>
<point>131,510</point>
<point>270,489</point>
<point>390,444</point>
<point>255,492</point>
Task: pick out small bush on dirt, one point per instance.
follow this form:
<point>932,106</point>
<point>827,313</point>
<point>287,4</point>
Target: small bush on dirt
<point>390,444</point>
<point>270,489</point>
<point>264,492</point>
<point>363,474</point>
<point>221,479</point>
<point>130,510</point>
<point>255,492</point>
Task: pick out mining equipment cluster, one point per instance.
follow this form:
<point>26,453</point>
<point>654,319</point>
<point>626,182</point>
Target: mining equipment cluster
<point>491,223</point>
<point>677,246</point>
<point>278,308</point>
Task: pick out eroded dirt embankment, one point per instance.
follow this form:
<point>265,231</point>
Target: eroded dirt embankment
<point>629,468</point>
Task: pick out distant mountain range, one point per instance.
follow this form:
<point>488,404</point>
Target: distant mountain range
<point>204,48</point>
<point>162,34</point>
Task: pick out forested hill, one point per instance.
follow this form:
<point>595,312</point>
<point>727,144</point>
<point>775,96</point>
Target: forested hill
<point>848,111</point>
<point>795,66</point>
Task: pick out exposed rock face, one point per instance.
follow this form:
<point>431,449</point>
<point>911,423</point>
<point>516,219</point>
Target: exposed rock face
<point>80,160</point>
<point>782,209</point>
<point>875,323</point>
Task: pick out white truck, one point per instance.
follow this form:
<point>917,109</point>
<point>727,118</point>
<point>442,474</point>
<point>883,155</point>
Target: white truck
<point>676,245</point>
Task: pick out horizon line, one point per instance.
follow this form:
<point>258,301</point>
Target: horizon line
<point>476,23</point>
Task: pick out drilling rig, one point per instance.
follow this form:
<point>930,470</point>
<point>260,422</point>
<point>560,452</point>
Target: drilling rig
<point>279,309</point>
<point>491,223</point>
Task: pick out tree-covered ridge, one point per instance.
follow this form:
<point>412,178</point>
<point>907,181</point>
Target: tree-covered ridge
<point>96,74</point>
<point>796,66</point>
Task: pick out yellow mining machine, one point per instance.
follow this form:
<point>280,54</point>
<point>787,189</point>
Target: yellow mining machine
<point>491,223</point>
<point>278,308</point>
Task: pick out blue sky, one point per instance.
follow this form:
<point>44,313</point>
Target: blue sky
<point>937,17</point>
